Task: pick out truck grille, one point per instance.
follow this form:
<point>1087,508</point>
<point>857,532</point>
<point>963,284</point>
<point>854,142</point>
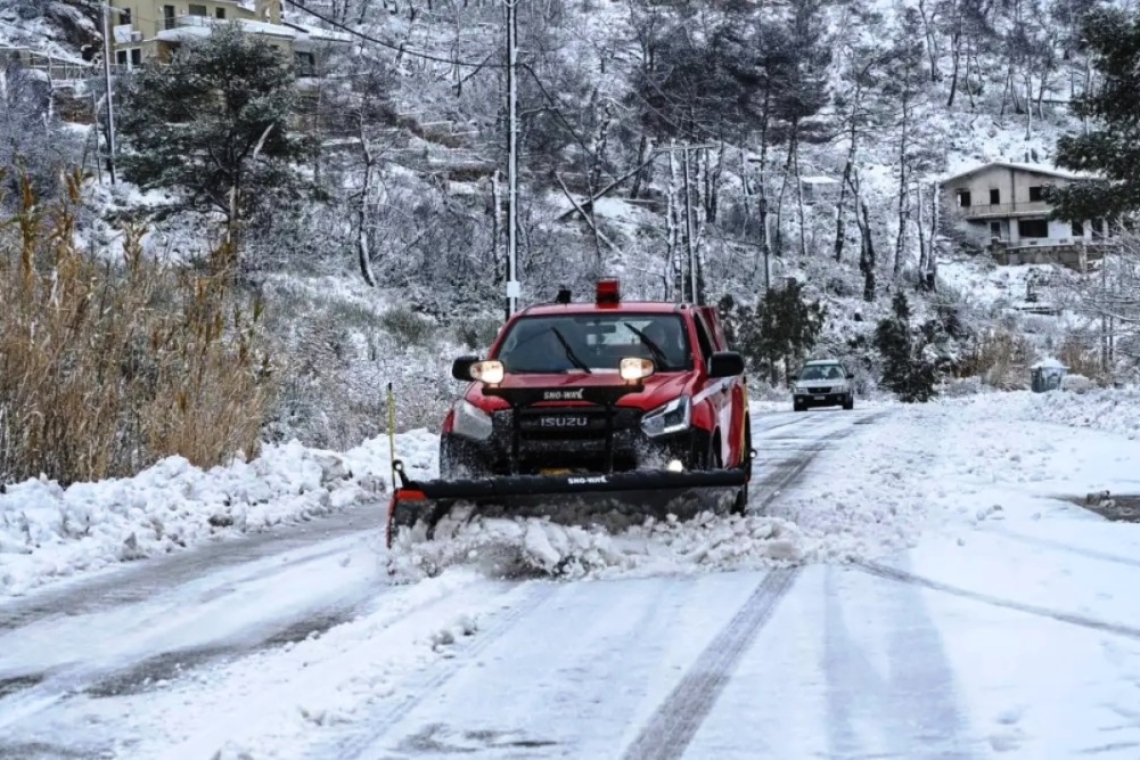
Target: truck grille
<point>570,424</point>
<point>572,437</point>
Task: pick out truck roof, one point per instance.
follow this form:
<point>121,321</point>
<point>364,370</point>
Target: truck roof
<point>589,307</point>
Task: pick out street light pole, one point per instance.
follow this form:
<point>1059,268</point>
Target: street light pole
<point>110,92</point>
<point>513,289</point>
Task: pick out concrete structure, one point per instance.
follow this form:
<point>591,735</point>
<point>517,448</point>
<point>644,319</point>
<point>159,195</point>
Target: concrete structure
<point>145,31</point>
<point>1001,206</point>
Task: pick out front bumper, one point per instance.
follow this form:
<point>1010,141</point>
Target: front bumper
<point>582,449</point>
<point>821,399</point>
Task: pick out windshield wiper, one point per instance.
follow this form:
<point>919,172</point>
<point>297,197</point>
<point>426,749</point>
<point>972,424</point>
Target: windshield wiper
<point>658,355</point>
<point>573,357</point>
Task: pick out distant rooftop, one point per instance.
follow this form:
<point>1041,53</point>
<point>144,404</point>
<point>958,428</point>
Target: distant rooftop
<point>1046,169</point>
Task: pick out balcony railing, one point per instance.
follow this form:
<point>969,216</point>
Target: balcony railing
<point>189,20</point>
<point>1003,209</point>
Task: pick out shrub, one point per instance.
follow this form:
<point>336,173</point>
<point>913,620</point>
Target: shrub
<point>1081,358</point>
<point>1001,358</point>
<point>409,328</point>
<point>106,368</point>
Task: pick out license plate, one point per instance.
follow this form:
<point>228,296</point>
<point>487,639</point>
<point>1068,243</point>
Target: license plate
<point>553,471</point>
<point>819,398</point>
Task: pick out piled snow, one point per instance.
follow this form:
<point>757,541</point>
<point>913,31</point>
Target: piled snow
<point>47,531</point>
<point>522,546</point>
<point>1110,410</point>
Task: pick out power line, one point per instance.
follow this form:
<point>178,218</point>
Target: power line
<point>484,64</point>
<point>393,46</point>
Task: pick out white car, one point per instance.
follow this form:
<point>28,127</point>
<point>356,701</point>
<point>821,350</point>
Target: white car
<point>824,382</point>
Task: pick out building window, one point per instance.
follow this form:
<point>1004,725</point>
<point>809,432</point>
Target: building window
<point>121,57</point>
<point>197,10</point>
<point>1033,228</point>
<point>964,198</point>
<point>168,17</point>
<point>995,196</point>
<point>125,17</point>
<point>1078,229</point>
<point>306,63</point>
<point>136,57</point>
<point>220,12</point>
<point>1035,193</point>
<point>1098,228</point>
<point>995,229</point>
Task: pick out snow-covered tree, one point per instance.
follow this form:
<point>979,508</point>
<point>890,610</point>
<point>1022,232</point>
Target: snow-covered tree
<point>213,124</point>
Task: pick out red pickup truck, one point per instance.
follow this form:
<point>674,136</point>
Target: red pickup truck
<point>632,405</point>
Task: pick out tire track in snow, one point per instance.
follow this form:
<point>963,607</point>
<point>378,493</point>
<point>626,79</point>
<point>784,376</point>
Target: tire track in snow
<point>674,724</point>
<point>364,744</point>
<point>1084,621</point>
<point>791,469</point>
<point>1061,546</point>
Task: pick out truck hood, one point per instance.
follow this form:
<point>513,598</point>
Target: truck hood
<point>659,388</point>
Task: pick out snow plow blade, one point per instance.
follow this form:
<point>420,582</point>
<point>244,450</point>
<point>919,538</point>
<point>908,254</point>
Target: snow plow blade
<point>627,497</point>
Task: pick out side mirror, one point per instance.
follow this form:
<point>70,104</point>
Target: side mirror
<point>461,367</point>
<point>726,364</point>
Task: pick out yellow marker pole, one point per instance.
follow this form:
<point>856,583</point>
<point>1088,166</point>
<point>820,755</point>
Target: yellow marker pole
<point>392,434</point>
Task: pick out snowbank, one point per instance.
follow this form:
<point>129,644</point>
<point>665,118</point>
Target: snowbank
<point>1109,410</point>
<point>47,531</point>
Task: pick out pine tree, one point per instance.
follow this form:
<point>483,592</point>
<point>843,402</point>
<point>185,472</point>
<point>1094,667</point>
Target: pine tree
<point>783,325</point>
<point>906,371</point>
<point>212,124</point>
<point>1112,39</point>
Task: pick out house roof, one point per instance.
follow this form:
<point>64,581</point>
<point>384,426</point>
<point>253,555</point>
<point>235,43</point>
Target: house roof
<point>310,36</point>
<point>1045,169</point>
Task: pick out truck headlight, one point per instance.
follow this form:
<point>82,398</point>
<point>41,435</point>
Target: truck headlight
<point>471,421</point>
<point>668,418</point>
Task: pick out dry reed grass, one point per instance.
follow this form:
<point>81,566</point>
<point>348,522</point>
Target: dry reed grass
<point>106,368</point>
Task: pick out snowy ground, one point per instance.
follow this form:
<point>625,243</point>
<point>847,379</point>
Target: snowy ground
<point>915,582</point>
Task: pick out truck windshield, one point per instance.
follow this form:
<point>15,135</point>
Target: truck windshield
<point>594,342</point>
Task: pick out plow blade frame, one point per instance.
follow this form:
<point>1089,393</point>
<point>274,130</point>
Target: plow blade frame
<point>569,499</point>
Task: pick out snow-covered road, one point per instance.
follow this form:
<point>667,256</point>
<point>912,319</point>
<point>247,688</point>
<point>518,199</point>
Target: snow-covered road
<point>917,589</point>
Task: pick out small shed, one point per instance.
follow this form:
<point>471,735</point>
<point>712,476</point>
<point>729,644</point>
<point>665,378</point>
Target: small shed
<point>819,189</point>
<point>1047,375</point>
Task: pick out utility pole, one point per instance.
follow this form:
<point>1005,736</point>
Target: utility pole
<point>110,95</point>
<point>689,231</point>
<point>1104,354</point>
<point>764,241</point>
<point>513,289</point>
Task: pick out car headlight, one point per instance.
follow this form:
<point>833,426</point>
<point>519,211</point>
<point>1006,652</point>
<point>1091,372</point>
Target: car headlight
<point>668,418</point>
<point>471,421</point>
